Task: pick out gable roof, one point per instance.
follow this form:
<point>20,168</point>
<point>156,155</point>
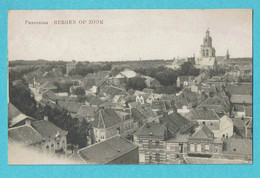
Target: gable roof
<point>47,129</point>
<point>240,89</point>
<point>238,146</point>
<point>215,101</point>
<point>175,122</point>
<point>24,134</point>
<point>103,74</point>
<point>106,118</point>
<point>15,116</point>
<point>202,114</point>
<point>146,111</point>
<point>13,111</point>
<point>106,151</point>
<point>48,94</point>
<point>137,115</point>
<point>48,85</point>
<point>203,132</point>
<point>128,73</point>
<point>240,99</point>
<point>156,130</point>
<point>112,91</point>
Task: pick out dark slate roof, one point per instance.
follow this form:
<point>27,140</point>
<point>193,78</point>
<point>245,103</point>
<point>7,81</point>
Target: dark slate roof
<point>147,112</point>
<point>13,111</point>
<point>71,107</point>
<point>217,108</point>
<point>106,118</point>
<point>137,115</point>
<point>112,91</point>
<point>103,74</point>
<point>158,104</point>
<point>47,129</point>
<point>86,112</point>
<point>216,101</point>
<point>238,146</point>
<point>49,95</point>
<point>25,135</point>
<point>242,89</point>
<point>240,99</point>
<point>202,114</point>
<point>95,101</point>
<point>175,122</point>
<point>249,111</point>
<point>152,130</point>
<point>203,132</point>
<point>106,151</point>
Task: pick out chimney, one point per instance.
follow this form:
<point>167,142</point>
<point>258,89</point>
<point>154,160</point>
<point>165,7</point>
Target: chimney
<point>28,122</point>
<point>75,149</point>
<point>46,118</point>
<point>118,131</point>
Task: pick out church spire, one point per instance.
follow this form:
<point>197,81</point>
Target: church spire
<point>227,54</point>
<point>207,32</point>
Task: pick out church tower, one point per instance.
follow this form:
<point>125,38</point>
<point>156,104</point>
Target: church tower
<point>207,59</point>
<point>206,48</point>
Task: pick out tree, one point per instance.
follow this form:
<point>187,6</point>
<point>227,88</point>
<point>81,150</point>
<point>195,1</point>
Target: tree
<point>79,91</point>
<point>188,68</point>
<point>136,83</point>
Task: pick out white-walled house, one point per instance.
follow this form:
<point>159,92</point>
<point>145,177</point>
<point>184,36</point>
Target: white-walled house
<point>221,126</point>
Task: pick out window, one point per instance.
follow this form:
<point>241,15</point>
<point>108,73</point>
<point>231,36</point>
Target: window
<point>157,144</point>
<point>102,136</point>
<point>47,148</point>
<point>150,159</point>
<point>150,143</point>
<point>140,141</point>
<point>207,148</point>
<point>157,157</point>
<point>216,149</point>
<point>198,148</point>
<point>192,147</point>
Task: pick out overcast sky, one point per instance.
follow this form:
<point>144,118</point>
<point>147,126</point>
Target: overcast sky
<point>127,34</point>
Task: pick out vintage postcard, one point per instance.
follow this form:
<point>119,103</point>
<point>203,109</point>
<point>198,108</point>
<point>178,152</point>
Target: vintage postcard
<point>130,86</point>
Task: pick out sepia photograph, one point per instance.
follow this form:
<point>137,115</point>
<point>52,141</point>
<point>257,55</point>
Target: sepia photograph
<point>130,87</point>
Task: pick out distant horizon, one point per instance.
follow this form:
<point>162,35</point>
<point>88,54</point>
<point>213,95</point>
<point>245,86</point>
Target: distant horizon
<point>127,35</point>
<point>114,60</point>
